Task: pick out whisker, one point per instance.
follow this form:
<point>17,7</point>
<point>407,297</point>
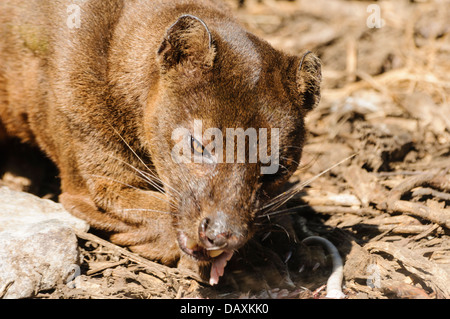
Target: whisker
<point>191,190</point>
<point>148,177</point>
<point>283,167</point>
<point>158,180</point>
<point>287,211</point>
<point>286,196</point>
<point>135,154</point>
<point>128,145</point>
<point>306,166</point>
<point>134,187</point>
<point>291,160</point>
<point>147,210</point>
<point>293,146</point>
<point>282,228</point>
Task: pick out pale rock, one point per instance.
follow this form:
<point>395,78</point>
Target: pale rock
<point>18,209</point>
<point>38,246</point>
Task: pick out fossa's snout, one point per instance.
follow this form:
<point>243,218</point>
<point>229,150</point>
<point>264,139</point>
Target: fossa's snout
<point>217,232</point>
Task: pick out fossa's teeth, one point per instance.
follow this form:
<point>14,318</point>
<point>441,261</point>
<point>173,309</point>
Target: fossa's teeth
<point>191,244</point>
<point>215,253</point>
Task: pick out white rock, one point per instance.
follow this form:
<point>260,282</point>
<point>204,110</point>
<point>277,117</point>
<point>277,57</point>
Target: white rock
<point>18,209</point>
<point>38,246</point>
<point>36,258</point>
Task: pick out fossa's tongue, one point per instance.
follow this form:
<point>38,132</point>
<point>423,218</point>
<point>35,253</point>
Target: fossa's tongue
<point>218,267</point>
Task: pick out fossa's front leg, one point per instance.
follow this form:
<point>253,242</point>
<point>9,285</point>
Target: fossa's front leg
<point>140,220</point>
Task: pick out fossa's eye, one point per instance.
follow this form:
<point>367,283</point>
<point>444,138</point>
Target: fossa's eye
<point>197,147</point>
<point>199,150</point>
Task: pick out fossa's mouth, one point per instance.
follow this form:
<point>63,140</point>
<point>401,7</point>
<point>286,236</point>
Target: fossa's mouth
<point>218,256</point>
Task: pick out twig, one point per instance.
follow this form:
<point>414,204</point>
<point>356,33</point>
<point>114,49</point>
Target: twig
<point>331,210</point>
<point>346,200</point>
<point>380,82</point>
<point>425,233</point>
<point>423,268</point>
<point>408,184</point>
<point>439,216</point>
<point>4,290</point>
<point>399,229</point>
<point>388,174</point>
<point>110,265</point>
<point>160,271</point>
<point>352,59</point>
<point>421,191</point>
<point>395,204</point>
<point>441,183</point>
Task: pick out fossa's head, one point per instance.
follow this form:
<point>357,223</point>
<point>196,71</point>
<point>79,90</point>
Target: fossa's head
<point>226,128</point>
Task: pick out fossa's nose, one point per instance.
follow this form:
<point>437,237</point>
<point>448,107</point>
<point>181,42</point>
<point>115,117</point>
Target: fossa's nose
<point>216,233</point>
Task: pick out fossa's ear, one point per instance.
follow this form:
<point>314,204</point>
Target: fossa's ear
<point>309,76</point>
<point>188,42</point>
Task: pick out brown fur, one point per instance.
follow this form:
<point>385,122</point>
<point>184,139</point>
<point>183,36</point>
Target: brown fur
<point>103,100</point>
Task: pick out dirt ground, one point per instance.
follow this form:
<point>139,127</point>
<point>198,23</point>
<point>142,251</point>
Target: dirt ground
<point>385,109</point>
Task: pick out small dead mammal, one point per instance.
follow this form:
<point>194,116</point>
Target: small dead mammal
<point>104,99</point>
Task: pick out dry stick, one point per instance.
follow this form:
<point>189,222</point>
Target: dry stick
<point>440,182</point>
<point>410,183</point>
<point>380,82</point>
<point>416,264</point>
<point>425,233</point>
<point>111,265</point>
<point>160,271</point>
<point>400,229</point>
<point>395,204</point>
<point>421,191</point>
<point>352,59</point>
<point>332,210</point>
<point>5,288</point>
<point>438,216</point>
